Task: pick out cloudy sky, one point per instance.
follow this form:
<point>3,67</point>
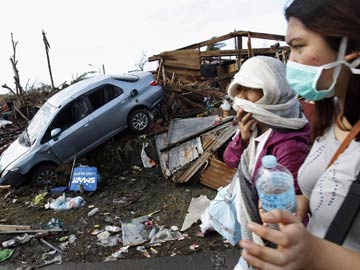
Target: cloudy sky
<point>116,33</point>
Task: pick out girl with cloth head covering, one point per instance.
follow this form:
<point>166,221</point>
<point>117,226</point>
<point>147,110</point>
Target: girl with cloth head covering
<point>269,116</point>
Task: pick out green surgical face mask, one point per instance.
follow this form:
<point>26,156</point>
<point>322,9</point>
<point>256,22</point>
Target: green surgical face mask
<point>304,78</point>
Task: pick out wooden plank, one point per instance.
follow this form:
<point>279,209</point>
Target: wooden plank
<point>267,36</point>
<point>217,174</point>
<point>4,227</point>
<point>181,65</point>
<point>250,52</point>
<point>256,51</point>
<point>5,186</point>
<point>33,231</point>
<point>238,34</point>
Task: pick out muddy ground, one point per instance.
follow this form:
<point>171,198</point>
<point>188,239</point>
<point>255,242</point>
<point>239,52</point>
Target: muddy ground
<point>127,190</point>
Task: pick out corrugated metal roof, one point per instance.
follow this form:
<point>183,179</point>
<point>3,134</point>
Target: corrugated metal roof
<point>180,128</point>
<point>177,157</point>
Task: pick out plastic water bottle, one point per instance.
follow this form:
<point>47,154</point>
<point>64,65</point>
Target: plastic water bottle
<point>275,186</point>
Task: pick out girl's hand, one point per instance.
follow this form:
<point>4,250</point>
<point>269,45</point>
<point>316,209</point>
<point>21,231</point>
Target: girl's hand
<point>245,123</point>
<point>294,243</point>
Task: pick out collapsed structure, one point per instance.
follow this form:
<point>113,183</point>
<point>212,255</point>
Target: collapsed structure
<point>195,79</point>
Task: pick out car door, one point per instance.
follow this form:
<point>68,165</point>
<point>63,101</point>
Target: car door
<point>79,132</point>
<point>109,104</point>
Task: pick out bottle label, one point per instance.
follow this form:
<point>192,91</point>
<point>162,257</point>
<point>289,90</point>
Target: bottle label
<point>283,201</point>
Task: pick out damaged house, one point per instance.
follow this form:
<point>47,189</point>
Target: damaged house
<point>195,79</point>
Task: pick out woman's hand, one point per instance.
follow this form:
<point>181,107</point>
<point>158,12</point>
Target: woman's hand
<point>294,243</point>
<point>302,207</point>
<point>245,123</point>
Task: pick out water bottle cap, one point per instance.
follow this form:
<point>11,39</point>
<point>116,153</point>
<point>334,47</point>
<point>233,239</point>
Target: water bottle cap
<point>269,161</point>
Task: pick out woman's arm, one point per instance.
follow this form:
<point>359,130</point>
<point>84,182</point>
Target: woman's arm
<point>233,152</point>
<point>297,248</point>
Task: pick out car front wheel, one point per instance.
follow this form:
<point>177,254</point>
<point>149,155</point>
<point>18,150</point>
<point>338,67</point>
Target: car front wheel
<point>45,175</point>
<point>139,120</point>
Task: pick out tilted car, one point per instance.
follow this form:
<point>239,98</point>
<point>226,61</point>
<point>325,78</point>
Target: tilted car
<point>76,120</point>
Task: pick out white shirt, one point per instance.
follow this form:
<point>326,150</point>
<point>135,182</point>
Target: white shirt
<point>260,143</point>
<point>327,188</point>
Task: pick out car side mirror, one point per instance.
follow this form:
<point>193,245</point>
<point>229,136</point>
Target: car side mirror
<point>55,132</point>
<point>134,93</point>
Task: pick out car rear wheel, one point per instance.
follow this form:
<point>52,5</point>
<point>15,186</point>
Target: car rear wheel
<point>45,175</point>
<point>139,120</point>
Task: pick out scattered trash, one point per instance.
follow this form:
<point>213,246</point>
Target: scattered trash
<point>17,240</point>
<point>96,232</point>
<point>136,232</point>
<point>143,250</point>
<point>164,235</point>
<point>225,107</point>
<point>57,259</point>
<point>103,235</point>
<point>84,177</point>
<point>54,223</point>
<point>200,234</point>
<point>174,228</point>
<point>109,241</point>
<point>47,255</point>
<point>112,228</point>
<point>42,240</point>
<point>71,239</point>
<point>64,238</point>
<point>194,247</point>
<point>117,254</point>
<point>39,199</point>
<point>58,189</point>
<point>64,203</point>
<point>9,243</point>
<point>6,254</point>
<point>146,161</point>
<point>154,251</point>
<point>196,208</point>
<point>93,212</point>
<point>136,168</point>
<point>24,239</point>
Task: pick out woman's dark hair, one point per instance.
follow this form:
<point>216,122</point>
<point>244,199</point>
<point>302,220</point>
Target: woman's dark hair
<point>333,19</point>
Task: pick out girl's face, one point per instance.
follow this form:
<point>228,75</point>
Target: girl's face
<point>250,94</point>
<point>310,48</point>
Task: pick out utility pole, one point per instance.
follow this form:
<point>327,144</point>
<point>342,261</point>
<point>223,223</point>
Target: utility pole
<point>47,47</point>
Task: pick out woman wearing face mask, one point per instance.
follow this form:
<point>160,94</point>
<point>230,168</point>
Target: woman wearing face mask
<point>323,66</point>
<point>269,117</point>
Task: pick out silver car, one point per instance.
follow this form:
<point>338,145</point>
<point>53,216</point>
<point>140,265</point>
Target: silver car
<point>76,120</point>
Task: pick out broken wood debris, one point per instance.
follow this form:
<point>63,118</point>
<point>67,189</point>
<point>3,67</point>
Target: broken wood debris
<point>4,227</point>
<point>198,61</point>
<point>32,231</point>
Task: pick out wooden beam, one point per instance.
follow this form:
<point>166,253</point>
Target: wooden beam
<point>14,227</point>
<point>250,52</point>
<point>239,34</point>
<point>255,51</point>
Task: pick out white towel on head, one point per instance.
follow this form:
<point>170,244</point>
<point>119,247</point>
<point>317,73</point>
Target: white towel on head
<point>279,106</point>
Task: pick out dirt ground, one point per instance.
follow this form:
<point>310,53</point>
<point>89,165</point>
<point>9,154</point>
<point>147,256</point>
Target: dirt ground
<point>127,190</point>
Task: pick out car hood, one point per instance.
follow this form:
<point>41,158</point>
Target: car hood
<point>12,153</point>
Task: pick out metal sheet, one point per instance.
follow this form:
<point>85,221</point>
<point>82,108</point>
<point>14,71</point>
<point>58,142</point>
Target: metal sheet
<point>180,128</point>
<point>177,157</point>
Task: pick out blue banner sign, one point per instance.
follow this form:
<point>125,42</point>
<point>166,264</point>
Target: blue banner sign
<point>85,176</point>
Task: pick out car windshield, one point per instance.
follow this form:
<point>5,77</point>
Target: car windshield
<point>38,123</point>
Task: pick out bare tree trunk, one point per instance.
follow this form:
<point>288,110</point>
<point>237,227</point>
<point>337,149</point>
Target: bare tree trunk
<point>8,88</point>
<point>47,47</point>
<point>19,89</point>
